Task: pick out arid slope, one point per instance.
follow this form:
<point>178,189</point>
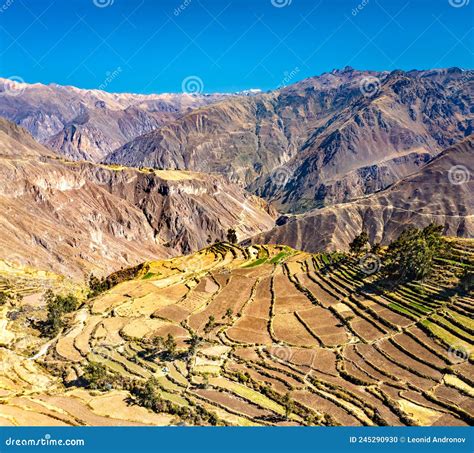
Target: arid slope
<point>72,217</point>
<point>442,192</point>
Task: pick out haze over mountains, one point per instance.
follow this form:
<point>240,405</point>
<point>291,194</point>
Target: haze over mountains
<point>89,124</point>
<point>325,142</point>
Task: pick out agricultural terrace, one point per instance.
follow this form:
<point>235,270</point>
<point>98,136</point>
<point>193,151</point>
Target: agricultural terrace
<point>263,335</point>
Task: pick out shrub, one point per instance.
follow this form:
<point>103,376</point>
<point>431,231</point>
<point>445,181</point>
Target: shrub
<point>97,377</point>
<point>211,322</point>
<point>288,404</point>
<point>170,345</point>
<point>376,248</point>
<point>97,286</point>
<point>4,298</point>
<point>232,236</point>
<point>9,297</point>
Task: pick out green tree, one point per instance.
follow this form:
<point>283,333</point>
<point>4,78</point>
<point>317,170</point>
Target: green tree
<point>359,242</point>
<point>170,345</point>
<point>54,321</point>
<point>288,404</point>
<point>228,313</point>
<point>376,248</point>
<point>194,342</point>
<point>57,306</point>
<point>211,322</point>
<point>96,376</point>
<point>96,286</point>
<point>157,342</point>
<point>411,255</point>
<point>232,236</point>
<point>205,380</point>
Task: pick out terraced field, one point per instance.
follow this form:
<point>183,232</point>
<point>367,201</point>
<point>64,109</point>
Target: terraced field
<point>265,335</point>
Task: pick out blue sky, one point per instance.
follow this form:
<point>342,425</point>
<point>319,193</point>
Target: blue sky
<point>231,45</point>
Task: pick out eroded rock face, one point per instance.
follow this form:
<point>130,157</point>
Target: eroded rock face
<point>89,124</point>
<point>320,141</point>
<point>442,192</point>
<point>71,217</point>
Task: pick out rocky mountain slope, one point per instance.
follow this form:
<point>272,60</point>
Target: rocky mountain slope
<point>88,124</point>
<point>442,192</point>
<point>245,136</point>
<point>324,140</point>
<point>71,217</point>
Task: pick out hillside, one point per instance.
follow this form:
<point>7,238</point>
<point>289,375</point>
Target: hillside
<point>441,192</point>
<point>264,335</point>
<point>74,217</point>
<point>325,140</point>
<point>88,124</point>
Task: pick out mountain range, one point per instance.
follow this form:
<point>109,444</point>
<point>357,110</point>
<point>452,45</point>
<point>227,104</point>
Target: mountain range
<point>441,192</point>
<point>89,124</point>
<point>321,141</point>
<point>109,180</point>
